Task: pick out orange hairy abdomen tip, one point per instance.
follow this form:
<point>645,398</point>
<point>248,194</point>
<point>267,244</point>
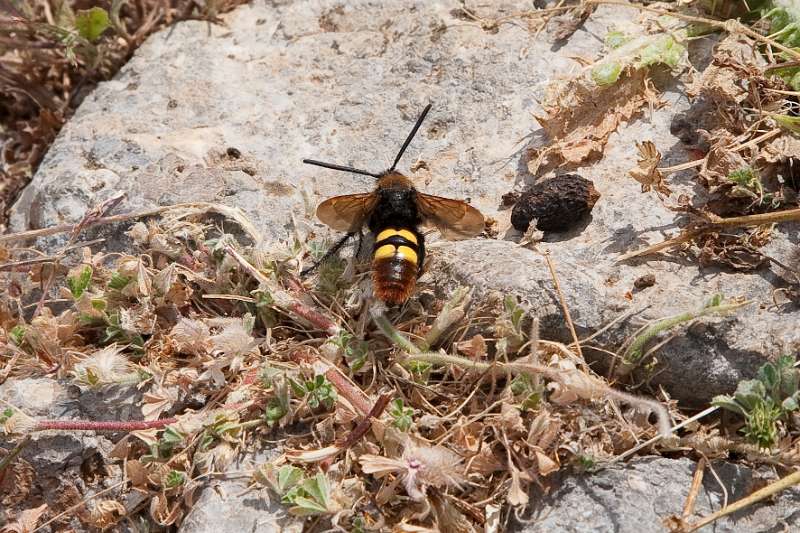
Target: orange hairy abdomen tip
<point>393,279</point>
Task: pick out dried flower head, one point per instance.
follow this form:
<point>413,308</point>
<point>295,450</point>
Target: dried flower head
<point>103,367</point>
<point>420,467</point>
<point>191,336</point>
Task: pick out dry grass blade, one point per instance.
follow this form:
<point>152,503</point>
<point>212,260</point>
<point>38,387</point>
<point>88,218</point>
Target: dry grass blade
<point>689,234</point>
<point>757,496</point>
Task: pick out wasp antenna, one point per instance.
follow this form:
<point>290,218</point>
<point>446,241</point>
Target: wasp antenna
<point>410,136</point>
<point>339,167</point>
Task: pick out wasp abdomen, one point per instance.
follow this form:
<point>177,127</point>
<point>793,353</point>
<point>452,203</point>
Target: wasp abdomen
<point>396,260</point>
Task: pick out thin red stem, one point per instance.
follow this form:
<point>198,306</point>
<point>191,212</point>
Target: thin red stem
<point>91,425</point>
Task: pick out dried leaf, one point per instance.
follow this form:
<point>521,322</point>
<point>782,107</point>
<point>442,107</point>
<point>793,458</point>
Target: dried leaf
<point>517,495</point>
<point>26,521</point>
<point>545,465</point>
<point>647,172</point>
<point>580,116</point>
<point>474,348</point>
<point>106,513</point>
<point>136,473</point>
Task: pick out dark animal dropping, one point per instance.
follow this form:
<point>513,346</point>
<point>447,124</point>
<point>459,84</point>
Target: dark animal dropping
<point>556,204</point>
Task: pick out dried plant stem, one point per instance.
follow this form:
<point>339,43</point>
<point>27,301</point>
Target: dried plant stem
<point>694,490</point>
<point>645,444</point>
<point>192,208</point>
<point>738,148</point>
<point>788,215</point>
<point>361,429</point>
<point>599,389</point>
<point>81,503</point>
<point>349,390</point>
<point>769,490</point>
<point>17,266</point>
<point>563,301</point>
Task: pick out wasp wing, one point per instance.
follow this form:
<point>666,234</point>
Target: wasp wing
<point>347,213</point>
<point>453,218</point>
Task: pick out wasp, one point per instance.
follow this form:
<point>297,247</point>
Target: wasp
<point>393,213</point>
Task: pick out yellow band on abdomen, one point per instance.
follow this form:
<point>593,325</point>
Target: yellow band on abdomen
<point>391,232</point>
<point>407,253</point>
<point>385,251</point>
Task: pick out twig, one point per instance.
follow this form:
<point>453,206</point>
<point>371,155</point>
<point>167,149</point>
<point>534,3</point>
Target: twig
<point>366,423</point>
<point>769,490</point>
<point>581,383</point>
<point>82,503</point>
<point>694,490</point>
<point>16,266</point>
<point>642,445</point>
<point>93,215</point>
<point>349,390</point>
<point>193,208</point>
<point>714,224</point>
<point>7,460</point>
<point>563,301</point>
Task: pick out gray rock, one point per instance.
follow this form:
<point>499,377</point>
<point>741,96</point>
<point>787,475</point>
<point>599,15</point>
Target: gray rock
<point>232,504</point>
<point>343,83</point>
<point>34,396</point>
<point>638,496</point>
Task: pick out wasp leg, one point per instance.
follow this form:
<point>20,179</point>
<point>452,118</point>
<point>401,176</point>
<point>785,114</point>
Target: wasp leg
<point>421,246</point>
<point>360,242</point>
<point>332,250</point>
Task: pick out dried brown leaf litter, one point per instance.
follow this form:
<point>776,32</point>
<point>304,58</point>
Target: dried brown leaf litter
<point>432,436</point>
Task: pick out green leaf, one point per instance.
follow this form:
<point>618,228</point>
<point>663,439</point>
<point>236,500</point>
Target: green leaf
<point>319,488</point>
<point>172,436</point>
<point>727,402</point>
<point>789,122</point>
<point>91,23</point>
<point>769,376</point>
<point>5,414</point>
<point>402,415</point>
<point>664,49</point>
<point>615,39</point>
<point>78,284</point>
<point>790,404</point>
<point>17,334</point>
<point>288,477</point>
<point>118,281</point>
<point>297,388</point>
<point>606,73</point>
<point>174,479</point>
<point>750,393</point>
<point>306,507</point>
<point>789,375</point>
